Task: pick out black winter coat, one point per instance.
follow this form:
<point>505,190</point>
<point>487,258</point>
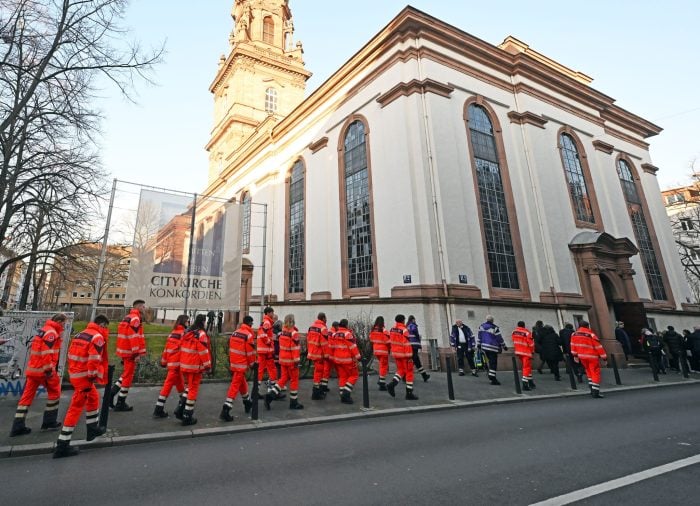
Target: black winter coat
<point>674,341</point>
<point>694,341</point>
<point>550,343</point>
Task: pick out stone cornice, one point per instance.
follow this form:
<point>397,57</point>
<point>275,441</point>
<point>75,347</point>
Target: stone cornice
<point>318,145</point>
<point>415,86</point>
<point>650,169</point>
<point>527,118</point>
<point>604,147</point>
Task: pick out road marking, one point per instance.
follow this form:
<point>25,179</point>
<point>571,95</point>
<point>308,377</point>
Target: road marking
<point>607,486</point>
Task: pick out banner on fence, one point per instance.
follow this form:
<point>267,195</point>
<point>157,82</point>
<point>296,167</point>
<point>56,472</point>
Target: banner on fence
<point>17,329</point>
<point>161,250</point>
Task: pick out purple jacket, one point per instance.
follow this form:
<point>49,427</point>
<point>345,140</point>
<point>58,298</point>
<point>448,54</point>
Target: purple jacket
<point>468,335</point>
<point>413,335</point>
<point>490,338</point>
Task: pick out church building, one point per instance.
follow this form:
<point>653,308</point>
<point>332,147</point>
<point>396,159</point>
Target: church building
<point>438,175</point>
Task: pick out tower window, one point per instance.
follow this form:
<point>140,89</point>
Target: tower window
<point>268,30</point>
<point>271,100</point>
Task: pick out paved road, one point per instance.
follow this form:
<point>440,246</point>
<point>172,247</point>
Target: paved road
<point>511,454</point>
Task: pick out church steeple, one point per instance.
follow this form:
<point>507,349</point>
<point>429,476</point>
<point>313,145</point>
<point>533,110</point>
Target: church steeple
<point>263,76</point>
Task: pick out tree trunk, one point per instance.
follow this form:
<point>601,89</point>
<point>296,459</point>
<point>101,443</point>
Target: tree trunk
<point>31,267</point>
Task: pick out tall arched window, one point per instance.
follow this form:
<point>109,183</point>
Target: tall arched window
<point>271,100</point>
<point>358,221</point>
<point>268,30</point>
<point>641,230</point>
<point>582,200</point>
<point>296,230</point>
<point>245,209</point>
<point>499,245</point>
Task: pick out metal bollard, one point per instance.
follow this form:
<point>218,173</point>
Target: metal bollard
<point>106,398</point>
<point>255,394</point>
<point>365,384</point>
<point>616,372</point>
<point>450,386</point>
<point>683,359</point>
<point>516,377</point>
<point>570,371</point>
<point>654,371</point>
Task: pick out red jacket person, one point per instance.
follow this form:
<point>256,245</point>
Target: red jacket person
<point>586,349</point>
<point>170,358</point>
<point>241,356</point>
<point>131,344</point>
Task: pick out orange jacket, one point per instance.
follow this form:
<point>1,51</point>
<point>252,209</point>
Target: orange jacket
<point>45,350</point>
<point>290,351</point>
<point>241,349</point>
<point>400,345</point>
<point>585,344</point>
<point>130,339</point>
<point>194,352</point>
<point>317,341</point>
<point>343,350</point>
<point>523,342</point>
<point>266,345</point>
<point>380,342</point>
<point>85,355</point>
<point>171,353</point>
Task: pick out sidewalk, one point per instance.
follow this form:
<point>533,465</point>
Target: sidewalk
<point>138,426</point>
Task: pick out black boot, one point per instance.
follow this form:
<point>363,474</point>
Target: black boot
<point>160,412</point>
<point>526,386</point>
<point>294,404</point>
<point>121,405</point>
<point>113,394</point>
<point>345,397</point>
<point>532,384</point>
<point>316,394</point>
<point>279,396</point>
<point>247,405</point>
<point>269,397</point>
<point>325,389</point>
<point>494,380</point>
<point>64,449</point>
<point>94,430</point>
<point>18,428</point>
<point>474,373</point>
<point>461,372</point>
<point>188,417</point>
<point>225,414</point>
<point>426,376</point>
<point>410,396</point>
<point>50,420</point>
<point>596,394</point>
<point>382,386</point>
<point>391,388</point>
<point>180,407</point>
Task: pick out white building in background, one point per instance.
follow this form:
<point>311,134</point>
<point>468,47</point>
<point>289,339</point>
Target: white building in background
<point>438,175</point>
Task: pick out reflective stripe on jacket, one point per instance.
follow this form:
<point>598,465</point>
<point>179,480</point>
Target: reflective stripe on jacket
<point>194,352</point>
<point>523,342</point>
<point>489,337</point>
<point>380,342</point>
<point>266,345</point>
<point>290,351</point>
<point>585,344</point>
<point>317,341</point>
<point>343,349</point>
<point>130,339</point>
<point>171,352</point>
<point>45,350</point>
<point>241,352</point>
<point>85,354</point>
<point>400,345</point>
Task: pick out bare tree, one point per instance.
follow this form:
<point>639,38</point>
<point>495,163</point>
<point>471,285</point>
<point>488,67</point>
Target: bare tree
<point>53,54</point>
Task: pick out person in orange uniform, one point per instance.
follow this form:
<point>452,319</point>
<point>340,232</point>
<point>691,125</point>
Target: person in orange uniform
<point>317,351</point>
<point>41,371</point>
<point>131,344</point>
<point>524,348</point>
<point>87,365</point>
<point>402,351</point>
<point>195,360</point>
<point>170,358</point>
<point>241,355</point>
<point>290,355</point>
<point>266,349</point>
<point>587,350</point>
<point>345,355</point>
<point>379,337</point>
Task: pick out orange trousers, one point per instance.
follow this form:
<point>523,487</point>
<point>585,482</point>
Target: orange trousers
<point>383,366</point>
<point>592,367</point>
<point>238,385</point>
<point>290,372</point>
<point>52,384</point>
<point>527,367</point>
<point>173,380</point>
<point>404,369</point>
<point>267,364</point>
<point>347,375</point>
<point>85,396</point>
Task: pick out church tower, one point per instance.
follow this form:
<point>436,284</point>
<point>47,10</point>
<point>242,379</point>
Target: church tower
<point>262,78</point>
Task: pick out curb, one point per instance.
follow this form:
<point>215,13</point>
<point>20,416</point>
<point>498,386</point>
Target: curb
<point>252,426</point>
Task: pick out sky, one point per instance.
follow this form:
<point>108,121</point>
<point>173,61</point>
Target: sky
<point>642,53</point>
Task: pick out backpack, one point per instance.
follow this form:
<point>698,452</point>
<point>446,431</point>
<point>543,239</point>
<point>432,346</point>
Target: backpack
<point>653,342</point>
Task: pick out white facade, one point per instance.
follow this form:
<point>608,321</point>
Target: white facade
<point>410,86</point>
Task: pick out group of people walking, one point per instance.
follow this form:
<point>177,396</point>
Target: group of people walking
<point>187,357</point>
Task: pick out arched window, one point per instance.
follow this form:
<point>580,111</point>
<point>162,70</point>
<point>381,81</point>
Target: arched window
<point>499,245</point>
<point>581,198</point>
<point>357,237</point>
<point>268,30</point>
<point>641,230</point>
<point>295,230</point>
<point>245,209</point>
<point>271,100</point>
